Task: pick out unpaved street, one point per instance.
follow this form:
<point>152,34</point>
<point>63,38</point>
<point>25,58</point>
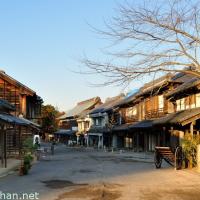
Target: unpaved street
<point>89,174</point>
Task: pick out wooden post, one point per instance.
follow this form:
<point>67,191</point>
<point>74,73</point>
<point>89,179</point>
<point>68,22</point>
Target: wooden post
<point>145,142</point>
<point>2,145</point>
<point>164,136</point>
<point>191,128</point>
<point>20,142</point>
<point>137,142</point>
<point>198,133</point>
<point>5,148</point>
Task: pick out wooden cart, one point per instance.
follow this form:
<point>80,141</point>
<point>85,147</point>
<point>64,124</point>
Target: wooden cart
<point>174,158</point>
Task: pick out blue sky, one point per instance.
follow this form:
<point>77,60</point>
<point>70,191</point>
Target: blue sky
<point>42,40</point>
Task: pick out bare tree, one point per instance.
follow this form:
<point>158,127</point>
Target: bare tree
<point>160,37</point>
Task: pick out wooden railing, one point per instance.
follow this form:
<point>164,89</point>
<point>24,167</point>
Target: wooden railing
<point>129,119</point>
<point>155,113</point>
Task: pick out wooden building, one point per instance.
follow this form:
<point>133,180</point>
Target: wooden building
<point>77,119</point>
<point>158,113</point>
<point>13,131</point>
<point>26,101</point>
<point>103,118</point>
<point>20,113</point>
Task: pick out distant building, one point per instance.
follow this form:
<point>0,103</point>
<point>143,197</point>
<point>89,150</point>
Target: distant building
<point>76,119</point>
<point>102,120</point>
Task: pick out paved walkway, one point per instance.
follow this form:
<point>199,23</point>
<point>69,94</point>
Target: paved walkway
<point>12,165</point>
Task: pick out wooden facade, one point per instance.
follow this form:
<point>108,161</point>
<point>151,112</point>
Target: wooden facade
<point>25,100</point>
<point>21,121</point>
<point>140,128</point>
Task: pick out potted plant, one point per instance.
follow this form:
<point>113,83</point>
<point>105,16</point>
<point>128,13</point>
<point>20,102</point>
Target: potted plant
<point>27,156</point>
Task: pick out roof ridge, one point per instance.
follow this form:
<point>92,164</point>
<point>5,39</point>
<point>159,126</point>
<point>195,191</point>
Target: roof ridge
<point>89,100</point>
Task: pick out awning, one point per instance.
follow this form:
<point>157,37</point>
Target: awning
<point>142,124</point>
<point>123,127</point>
<point>181,117</point>
<point>12,119</point>
<point>65,132</point>
<point>33,124</point>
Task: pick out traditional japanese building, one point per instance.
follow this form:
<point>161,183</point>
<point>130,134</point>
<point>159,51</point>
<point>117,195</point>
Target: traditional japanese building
<point>103,118</point>
<point>20,113</point>
<point>27,103</point>
<point>77,119</point>
<point>158,114</point>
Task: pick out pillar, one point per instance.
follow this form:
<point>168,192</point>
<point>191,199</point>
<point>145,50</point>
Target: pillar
<point>181,137</point>
<point>5,148</point>
<point>191,129</point>
<point>145,142</point>
<point>137,142</point>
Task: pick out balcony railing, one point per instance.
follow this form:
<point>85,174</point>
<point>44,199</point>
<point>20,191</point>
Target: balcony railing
<point>155,113</point>
<point>129,119</point>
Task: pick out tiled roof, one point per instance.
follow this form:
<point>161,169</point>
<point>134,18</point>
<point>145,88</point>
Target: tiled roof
<point>6,105</point>
<point>81,107</point>
<point>108,105</point>
<point>13,81</point>
<point>154,85</point>
<point>183,87</point>
<point>178,117</point>
<point>67,132</point>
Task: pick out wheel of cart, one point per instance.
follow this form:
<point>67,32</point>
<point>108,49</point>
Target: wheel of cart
<point>172,158</point>
<point>157,159</point>
<point>178,158</point>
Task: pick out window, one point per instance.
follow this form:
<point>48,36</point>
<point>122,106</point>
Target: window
<point>178,103</point>
<point>131,111</point>
<point>97,122</point>
<point>182,104</point>
<point>198,100</point>
<point>192,101</point>
<point>187,102</point>
<point>87,124</point>
<point>160,102</point>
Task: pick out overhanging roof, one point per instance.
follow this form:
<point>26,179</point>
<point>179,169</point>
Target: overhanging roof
<point>81,107</point>
<point>123,127</point>
<point>7,118</point>
<point>6,105</point>
<point>142,124</point>
<point>67,132</point>
<point>13,81</point>
<point>181,118</point>
<point>193,82</point>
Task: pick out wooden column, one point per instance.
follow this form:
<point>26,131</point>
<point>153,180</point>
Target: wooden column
<point>191,128</point>
<point>5,148</point>
<point>164,136</point>
<point>145,142</point>
<point>2,145</point>
<point>158,139</point>
<point>137,142</point>
<point>20,142</point>
<point>198,133</point>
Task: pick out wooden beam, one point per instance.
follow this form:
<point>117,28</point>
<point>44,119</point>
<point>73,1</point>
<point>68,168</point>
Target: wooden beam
<point>192,119</point>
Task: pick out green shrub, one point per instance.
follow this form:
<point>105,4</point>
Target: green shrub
<point>189,145</point>
<point>27,149</point>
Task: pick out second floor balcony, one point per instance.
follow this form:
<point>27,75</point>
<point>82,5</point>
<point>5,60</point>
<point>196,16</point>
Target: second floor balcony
<point>156,113</point>
<point>130,119</point>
